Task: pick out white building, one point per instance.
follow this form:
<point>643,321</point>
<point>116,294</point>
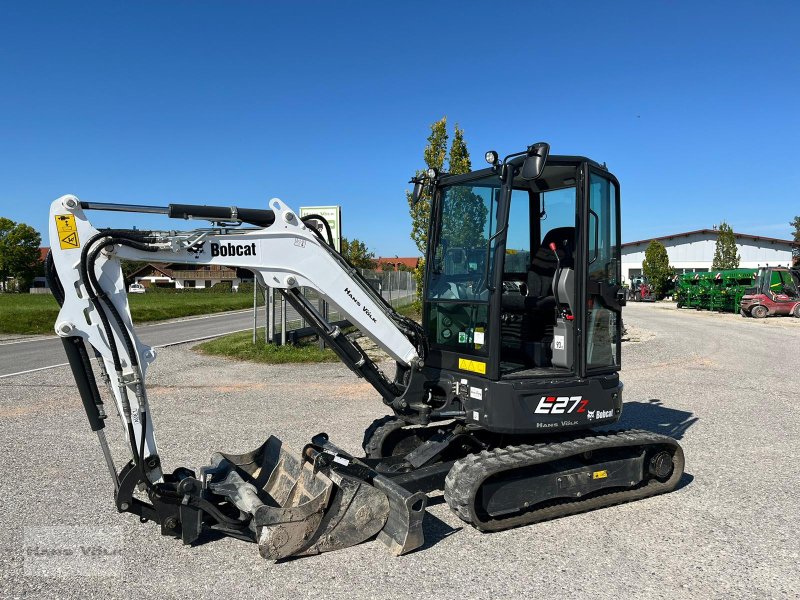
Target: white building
<point>694,251</point>
<point>178,276</point>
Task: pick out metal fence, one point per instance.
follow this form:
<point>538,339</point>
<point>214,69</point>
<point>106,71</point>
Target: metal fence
<point>281,323</point>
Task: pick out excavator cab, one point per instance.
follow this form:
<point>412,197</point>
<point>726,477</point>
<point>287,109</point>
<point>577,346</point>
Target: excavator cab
<point>523,288</point>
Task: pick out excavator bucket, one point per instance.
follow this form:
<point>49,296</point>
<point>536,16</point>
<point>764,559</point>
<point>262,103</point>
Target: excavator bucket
<point>311,503</point>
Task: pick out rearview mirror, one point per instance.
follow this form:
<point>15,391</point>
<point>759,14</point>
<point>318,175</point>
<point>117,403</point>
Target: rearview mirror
<point>415,195</point>
<point>534,161</point>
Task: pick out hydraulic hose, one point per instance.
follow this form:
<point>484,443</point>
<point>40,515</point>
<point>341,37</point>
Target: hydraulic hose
<point>84,271</point>
<point>100,293</point>
<point>98,297</point>
<point>324,221</point>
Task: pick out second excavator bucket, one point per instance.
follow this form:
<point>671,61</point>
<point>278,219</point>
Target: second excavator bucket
<point>300,506</point>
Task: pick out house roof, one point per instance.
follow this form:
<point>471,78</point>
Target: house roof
<point>392,261</point>
<point>711,232</point>
<point>160,267</point>
<point>43,253</point>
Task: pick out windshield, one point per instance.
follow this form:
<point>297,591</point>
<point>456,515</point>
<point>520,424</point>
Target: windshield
<point>462,253</point>
<point>783,282</point>
<point>457,315</point>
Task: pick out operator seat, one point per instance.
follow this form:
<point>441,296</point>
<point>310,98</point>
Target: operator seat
<point>538,306</point>
<point>539,279</point>
<point>544,264</point>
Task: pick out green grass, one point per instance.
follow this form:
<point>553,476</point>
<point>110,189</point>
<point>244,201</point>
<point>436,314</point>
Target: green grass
<point>240,346</point>
<point>36,313</point>
<point>412,311</point>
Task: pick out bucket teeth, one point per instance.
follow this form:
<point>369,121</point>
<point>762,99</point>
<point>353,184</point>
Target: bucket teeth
<point>295,509</point>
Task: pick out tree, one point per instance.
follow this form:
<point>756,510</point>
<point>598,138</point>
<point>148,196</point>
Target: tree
<point>129,267</point>
<point>19,253</point>
<point>655,267</point>
<point>725,254</point>
<point>358,254</point>
<point>434,156</point>
<point>796,250</point>
<point>458,161</point>
<point>465,214</point>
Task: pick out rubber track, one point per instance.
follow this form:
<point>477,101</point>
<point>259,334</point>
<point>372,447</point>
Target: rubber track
<point>376,434</point>
<point>465,478</point>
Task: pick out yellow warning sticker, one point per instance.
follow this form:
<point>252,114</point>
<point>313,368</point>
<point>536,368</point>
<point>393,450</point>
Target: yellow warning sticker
<point>67,232</point>
<point>599,474</point>
<point>475,366</point>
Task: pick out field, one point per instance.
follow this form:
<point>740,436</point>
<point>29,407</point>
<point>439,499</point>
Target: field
<point>35,313</point>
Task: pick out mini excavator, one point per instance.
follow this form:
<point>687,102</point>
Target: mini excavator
<point>496,398</point>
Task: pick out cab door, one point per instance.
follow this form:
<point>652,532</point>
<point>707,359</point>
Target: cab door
<point>602,294</point>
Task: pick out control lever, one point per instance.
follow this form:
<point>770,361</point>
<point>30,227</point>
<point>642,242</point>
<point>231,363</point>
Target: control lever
<point>562,311</point>
<point>558,270</point>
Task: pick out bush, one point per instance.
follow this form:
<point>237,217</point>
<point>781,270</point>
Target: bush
<point>245,288</point>
<point>222,286</point>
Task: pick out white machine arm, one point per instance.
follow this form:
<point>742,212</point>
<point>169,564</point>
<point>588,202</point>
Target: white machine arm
<point>285,255</point>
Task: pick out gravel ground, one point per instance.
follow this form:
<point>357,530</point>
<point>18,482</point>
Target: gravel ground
<point>726,386</point>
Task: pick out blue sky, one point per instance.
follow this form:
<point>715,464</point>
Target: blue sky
<point>694,106</point>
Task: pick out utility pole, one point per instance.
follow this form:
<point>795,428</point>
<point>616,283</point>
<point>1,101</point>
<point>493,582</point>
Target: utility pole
<point>255,303</point>
<point>266,316</point>
<point>271,311</point>
<point>283,320</point>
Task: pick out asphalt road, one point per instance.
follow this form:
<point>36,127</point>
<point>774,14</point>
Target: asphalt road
<point>45,352</point>
<point>725,386</point>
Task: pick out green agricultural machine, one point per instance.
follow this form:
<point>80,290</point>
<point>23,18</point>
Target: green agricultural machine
<point>684,289</point>
<point>705,284</point>
<point>700,292</point>
<point>715,290</point>
<point>728,288</point>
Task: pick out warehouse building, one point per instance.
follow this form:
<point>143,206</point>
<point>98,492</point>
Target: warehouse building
<point>694,251</point>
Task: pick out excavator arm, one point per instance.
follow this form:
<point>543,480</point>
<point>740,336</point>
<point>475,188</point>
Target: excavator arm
<point>317,493</point>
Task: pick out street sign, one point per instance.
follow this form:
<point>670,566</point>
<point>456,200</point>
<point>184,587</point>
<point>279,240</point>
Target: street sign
<point>333,215</point>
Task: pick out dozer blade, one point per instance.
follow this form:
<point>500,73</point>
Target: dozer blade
<point>299,506</point>
<point>402,532</point>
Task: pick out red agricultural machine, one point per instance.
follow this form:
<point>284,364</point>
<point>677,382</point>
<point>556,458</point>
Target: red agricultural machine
<point>776,293</point>
<point>640,290</point>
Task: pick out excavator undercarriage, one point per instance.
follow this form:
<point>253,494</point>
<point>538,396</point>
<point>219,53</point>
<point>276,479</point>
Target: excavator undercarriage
<point>501,398</point>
